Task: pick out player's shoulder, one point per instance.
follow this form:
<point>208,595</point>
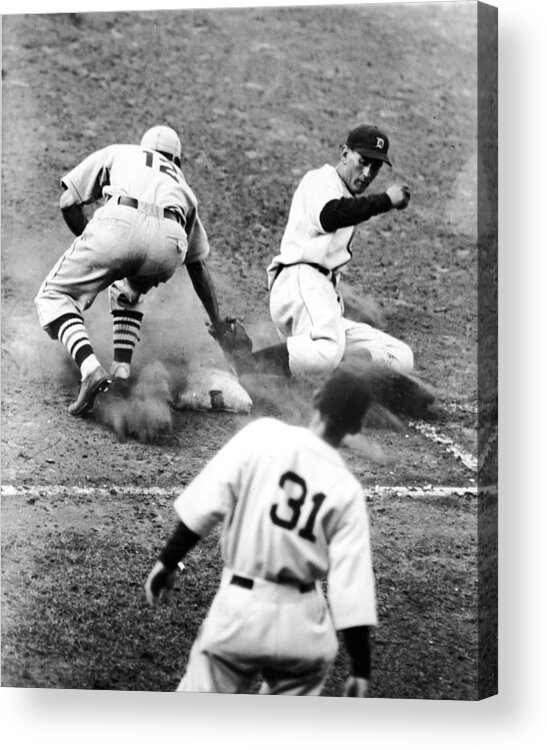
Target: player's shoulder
<point>323,172</point>
<point>348,495</point>
<point>325,177</point>
<point>266,425</point>
<point>336,467</point>
<point>268,430</point>
<point>113,151</point>
<point>121,148</point>
<point>125,148</point>
<point>257,436</point>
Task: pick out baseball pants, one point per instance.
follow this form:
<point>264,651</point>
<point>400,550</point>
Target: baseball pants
<point>307,311</point>
<point>129,250</point>
<point>274,631</point>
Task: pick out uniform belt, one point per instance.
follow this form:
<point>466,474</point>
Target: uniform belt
<point>321,269</point>
<point>125,200</point>
<point>248,583</point>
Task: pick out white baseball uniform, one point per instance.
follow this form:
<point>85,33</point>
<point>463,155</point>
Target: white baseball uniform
<point>293,514</point>
<point>130,248</point>
<point>305,306</point>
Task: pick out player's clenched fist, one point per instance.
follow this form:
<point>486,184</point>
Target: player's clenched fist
<point>160,581</point>
<point>399,195</point>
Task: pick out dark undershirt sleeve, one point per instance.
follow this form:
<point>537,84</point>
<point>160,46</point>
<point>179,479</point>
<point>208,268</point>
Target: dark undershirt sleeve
<point>179,544</point>
<point>75,218</point>
<point>346,212</point>
<point>357,642</point>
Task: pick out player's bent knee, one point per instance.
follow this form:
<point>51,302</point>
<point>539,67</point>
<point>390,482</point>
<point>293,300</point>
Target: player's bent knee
<point>318,357</point>
<point>125,295</point>
<point>49,312</point>
<point>403,357</point>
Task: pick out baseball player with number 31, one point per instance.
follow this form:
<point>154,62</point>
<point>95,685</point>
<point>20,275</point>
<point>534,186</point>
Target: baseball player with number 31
<point>292,515</point>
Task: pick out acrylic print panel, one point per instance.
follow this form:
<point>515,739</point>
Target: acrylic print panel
<point>259,96</point>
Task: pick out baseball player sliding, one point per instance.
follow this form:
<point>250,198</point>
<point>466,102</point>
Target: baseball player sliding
<point>147,228</point>
<point>305,305</point>
<point>292,515</point>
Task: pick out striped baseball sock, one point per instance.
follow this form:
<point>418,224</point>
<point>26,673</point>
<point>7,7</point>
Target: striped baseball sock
<point>126,329</point>
<point>72,333</point>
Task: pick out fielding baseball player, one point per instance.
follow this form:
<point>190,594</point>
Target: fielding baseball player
<point>148,227</point>
<point>292,515</point>
<point>305,303</point>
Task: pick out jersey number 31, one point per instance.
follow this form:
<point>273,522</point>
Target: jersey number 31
<point>295,507</point>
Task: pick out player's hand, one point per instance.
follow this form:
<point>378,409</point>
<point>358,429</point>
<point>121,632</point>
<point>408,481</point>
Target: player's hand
<point>356,687</point>
<point>220,328</point>
<point>399,195</point>
<point>232,336</point>
<point>159,583</point>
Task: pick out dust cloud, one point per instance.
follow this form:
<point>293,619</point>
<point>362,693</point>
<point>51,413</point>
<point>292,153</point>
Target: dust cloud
<point>292,402</point>
<point>141,410</point>
<point>174,339</point>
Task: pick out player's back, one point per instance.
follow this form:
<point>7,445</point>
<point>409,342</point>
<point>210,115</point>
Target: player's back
<point>148,176</point>
<point>292,490</point>
<point>129,170</point>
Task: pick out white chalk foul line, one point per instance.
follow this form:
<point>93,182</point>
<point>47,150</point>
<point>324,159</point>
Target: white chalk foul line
<point>429,491</point>
<point>10,490</point>
<point>428,431</point>
<point>426,491</point>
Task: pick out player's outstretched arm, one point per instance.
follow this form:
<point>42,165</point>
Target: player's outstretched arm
<point>346,212</point>
<point>229,332</point>
<point>203,284</point>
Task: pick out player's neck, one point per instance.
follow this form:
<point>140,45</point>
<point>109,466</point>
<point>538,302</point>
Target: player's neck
<point>318,426</point>
<point>338,169</point>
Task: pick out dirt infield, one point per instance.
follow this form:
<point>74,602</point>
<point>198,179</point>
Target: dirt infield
<point>259,96</point>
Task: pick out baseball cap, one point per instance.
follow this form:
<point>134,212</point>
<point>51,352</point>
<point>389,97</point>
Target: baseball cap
<point>162,138</point>
<point>369,141</point>
<point>344,400</point>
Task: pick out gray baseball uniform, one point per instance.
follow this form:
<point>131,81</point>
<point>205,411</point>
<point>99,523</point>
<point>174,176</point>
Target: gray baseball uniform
<point>132,247</point>
<point>147,228</point>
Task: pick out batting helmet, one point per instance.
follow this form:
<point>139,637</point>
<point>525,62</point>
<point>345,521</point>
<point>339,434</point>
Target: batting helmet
<point>344,400</point>
<point>164,139</point>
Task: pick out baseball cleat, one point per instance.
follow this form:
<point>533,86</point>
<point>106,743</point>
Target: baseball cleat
<point>95,383</point>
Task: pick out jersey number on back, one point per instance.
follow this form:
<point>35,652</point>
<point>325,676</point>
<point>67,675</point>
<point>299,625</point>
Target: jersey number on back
<point>165,166</point>
<point>295,504</point>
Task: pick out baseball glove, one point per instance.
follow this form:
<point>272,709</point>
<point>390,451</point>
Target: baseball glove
<point>232,337</point>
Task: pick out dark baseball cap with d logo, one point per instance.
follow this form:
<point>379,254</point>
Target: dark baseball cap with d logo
<point>369,141</point>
